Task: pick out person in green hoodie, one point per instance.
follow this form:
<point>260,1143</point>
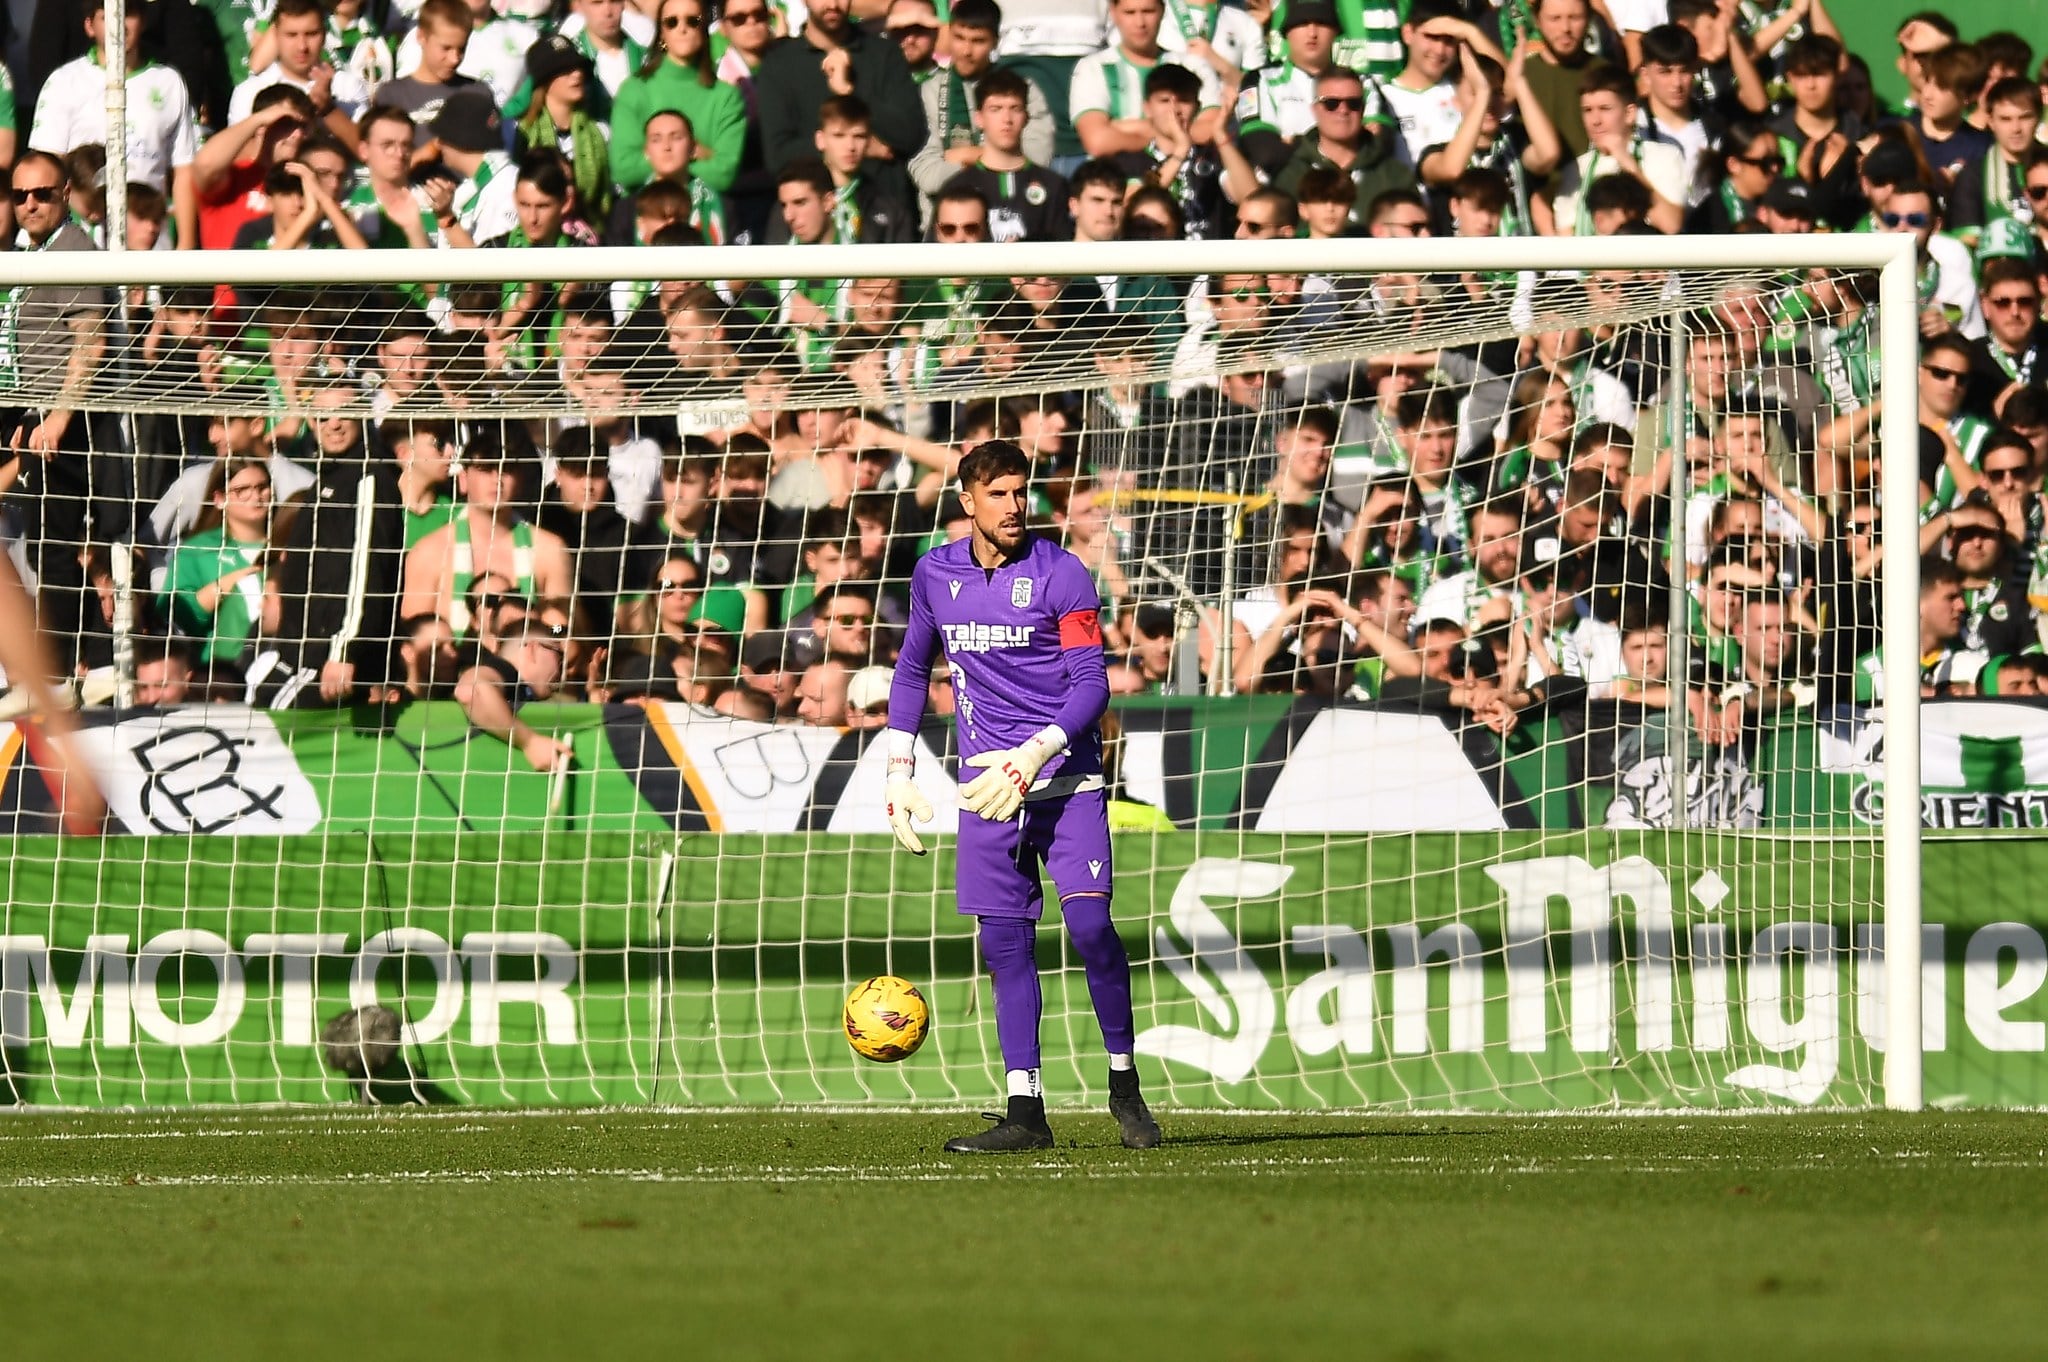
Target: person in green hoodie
<point>679,77</point>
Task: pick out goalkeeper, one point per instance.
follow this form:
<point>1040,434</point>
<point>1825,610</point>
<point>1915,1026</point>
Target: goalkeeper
<point>1016,615</point>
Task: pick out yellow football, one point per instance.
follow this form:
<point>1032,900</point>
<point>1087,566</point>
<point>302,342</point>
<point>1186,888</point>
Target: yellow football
<point>886,1019</point>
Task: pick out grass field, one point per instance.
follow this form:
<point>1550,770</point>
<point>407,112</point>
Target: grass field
<point>444,1235</point>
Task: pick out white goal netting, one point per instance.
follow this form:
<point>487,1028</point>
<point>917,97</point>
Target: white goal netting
<point>1496,661</point>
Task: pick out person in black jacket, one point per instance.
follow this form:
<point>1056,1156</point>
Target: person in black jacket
<point>834,57</point>
<point>339,551</point>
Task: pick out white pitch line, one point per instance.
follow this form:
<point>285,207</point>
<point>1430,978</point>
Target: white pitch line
<point>902,1173</point>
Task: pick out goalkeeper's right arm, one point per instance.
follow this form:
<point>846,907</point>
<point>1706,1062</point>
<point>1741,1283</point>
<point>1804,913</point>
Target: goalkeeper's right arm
<point>907,693</point>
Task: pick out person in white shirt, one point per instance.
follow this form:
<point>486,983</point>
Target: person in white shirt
<point>1669,71</point>
<point>1424,96</point>
<point>1607,104</point>
<point>496,54</point>
<point>163,138</point>
<point>1107,97</point>
<point>471,134</point>
<point>613,35</point>
<point>1225,38</point>
<point>339,96</point>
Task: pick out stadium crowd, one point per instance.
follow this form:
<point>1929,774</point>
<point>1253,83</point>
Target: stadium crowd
<point>725,503</point>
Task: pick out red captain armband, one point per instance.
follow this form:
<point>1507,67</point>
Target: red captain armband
<point>1080,629</point>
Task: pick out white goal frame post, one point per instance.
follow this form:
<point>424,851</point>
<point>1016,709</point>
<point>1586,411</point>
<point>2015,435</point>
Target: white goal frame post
<point>1892,255</point>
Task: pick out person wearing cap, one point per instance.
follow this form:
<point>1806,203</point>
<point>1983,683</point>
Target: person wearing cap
<point>489,536</point>
<point>867,698</point>
<point>1788,207</point>
<point>1277,104</point>
<point>481,205</point>
<point>563,115</point>
<point>766,665</point>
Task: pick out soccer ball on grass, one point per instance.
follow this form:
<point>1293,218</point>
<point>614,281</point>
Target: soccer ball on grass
<point>886,1019</point>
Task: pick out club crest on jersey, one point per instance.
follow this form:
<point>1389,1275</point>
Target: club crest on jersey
<point>954,587</point>
<point>1020,592</point>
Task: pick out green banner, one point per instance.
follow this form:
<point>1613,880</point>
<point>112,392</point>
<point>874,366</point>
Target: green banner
<point>1246,764</point>
<point>1488,970</point>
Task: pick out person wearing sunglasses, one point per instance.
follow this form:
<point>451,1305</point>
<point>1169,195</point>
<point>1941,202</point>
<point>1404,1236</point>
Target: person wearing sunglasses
<point>2013,352</point>
<point>51,345</point>
<point>678,75</point>
<point>1343,141</point>
<point>1278,100</point>
<point>1944,384</point>
<point>1996,616</point>
<point>1989,206</point>
<point>1947,280</point>
<point>913,25</point>
<point>1749,159</point>
<point>526,665</point>
<point>834,56</point>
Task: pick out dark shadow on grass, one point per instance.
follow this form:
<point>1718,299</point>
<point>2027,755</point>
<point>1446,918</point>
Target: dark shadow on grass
<point>1248,1138</point>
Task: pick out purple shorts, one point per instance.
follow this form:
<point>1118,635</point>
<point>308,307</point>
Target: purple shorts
<point>999,862</point>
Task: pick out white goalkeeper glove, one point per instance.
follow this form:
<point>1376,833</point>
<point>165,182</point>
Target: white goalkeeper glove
<point>906,802</point>
<point>998,792</point>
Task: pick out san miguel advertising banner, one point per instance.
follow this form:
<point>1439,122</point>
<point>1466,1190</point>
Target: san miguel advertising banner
<point>1488,970</point>
<point>1253,764</point>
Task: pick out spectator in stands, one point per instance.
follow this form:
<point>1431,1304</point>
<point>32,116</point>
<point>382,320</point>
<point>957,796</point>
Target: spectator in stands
<point>1423,98</point>
<point>231,167</point>
<point>490,535</point>
<point>63,485</point>
<point>560,119</point>
<point>822,699</point>
<point>71,112</point>
<point>832,56</point>
<point>1608,112</point>
<point>163,672</point>
<point>1176,162</point>
<point>679,77</point>
<point>1495,565</point>
<point>442,36</point>
<point>577,508</point>
<point>953,99</point>
<point>1987,206</point>
<point>303,215</point>
<point>1502,130</point>
<point>1026,201</point>
<point>473,200</point>
<point>2013,352</point>
<point>218,587</point>
<point>1996,617</point>
<point>493,53</point>
<point>913,25</point>
<point>1947,84</point>
<point>527,664</point>
<point>868,203</point>
<point>298,30</point>
<point>1277,106</point>
<point>1342,142</point>
<point>1107,98</point>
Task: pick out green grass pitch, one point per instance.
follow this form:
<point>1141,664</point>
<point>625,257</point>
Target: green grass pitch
<point>458,1234</point>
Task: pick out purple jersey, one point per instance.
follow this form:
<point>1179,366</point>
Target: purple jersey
<point>1024,646</point>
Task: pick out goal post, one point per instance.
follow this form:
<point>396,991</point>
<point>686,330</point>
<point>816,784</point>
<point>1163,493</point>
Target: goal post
<point>768,887</point>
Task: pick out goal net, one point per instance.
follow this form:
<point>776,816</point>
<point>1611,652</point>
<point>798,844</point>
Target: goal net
<point>485,677</point>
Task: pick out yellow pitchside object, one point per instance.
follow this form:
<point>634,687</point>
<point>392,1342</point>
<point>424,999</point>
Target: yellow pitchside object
<point>886,1019</point>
